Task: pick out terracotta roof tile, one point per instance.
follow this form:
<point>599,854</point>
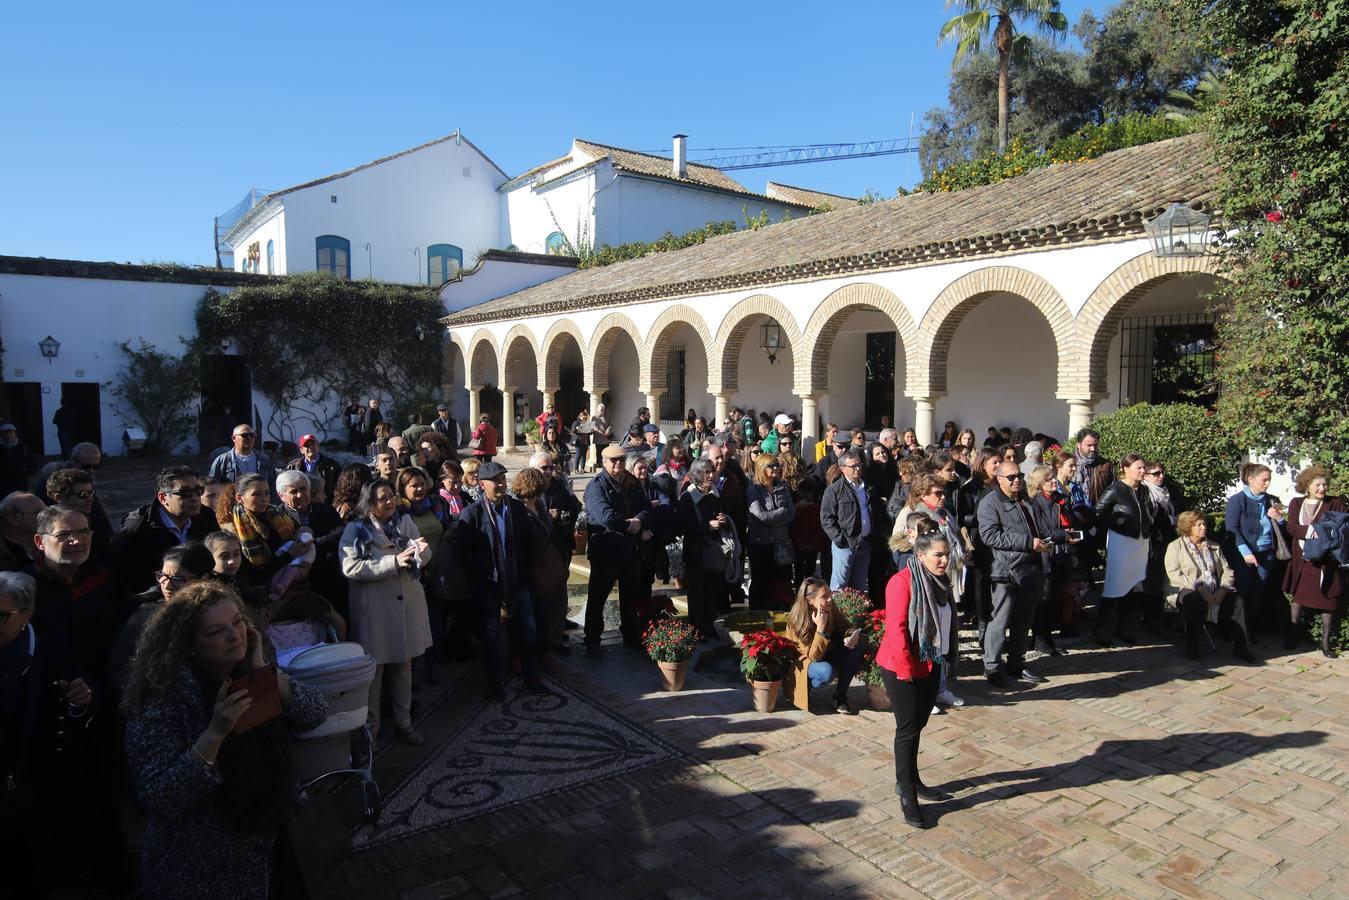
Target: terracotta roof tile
<point>1105,198</point>
<point>807,197</point>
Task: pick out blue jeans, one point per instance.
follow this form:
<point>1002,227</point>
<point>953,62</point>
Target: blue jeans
<point>850,566</point>
<point>837,658</point>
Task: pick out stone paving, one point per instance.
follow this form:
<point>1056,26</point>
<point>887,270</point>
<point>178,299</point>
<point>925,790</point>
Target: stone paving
<point>1134,772</point>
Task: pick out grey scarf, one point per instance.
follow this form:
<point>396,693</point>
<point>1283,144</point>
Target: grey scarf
<point>927,594</point>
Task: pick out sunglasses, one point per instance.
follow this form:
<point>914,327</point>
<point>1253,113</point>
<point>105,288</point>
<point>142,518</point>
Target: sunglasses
<point>188,492</point>
<point>1016,477</point>
<point>6,614</point>
<point>246,434</point>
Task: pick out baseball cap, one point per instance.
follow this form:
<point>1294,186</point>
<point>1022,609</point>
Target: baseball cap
<point>782,419</point>
<point>306,438</point>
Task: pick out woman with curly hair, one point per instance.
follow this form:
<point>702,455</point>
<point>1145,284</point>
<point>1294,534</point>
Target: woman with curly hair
<point>434,448</point>
<point>216,798</point>
<point>348,489</point>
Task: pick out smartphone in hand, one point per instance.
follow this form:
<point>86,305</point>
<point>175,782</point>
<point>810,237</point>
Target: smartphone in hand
<point>261,687</point>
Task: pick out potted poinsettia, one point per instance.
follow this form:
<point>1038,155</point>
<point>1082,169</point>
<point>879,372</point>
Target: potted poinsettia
<point>854,605</point>
<point>670,643</point>
<point>765,657</point>
<point>873,630</point>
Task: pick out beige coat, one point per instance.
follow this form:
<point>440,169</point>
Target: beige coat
<point>388,605</point>
<point>1182,571</point>
<point>795,682</point>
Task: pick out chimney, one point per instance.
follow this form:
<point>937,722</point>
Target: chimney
<point>680,164</point>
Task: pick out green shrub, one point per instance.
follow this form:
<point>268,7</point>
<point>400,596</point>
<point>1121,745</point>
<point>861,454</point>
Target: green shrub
<point>1197,449</point>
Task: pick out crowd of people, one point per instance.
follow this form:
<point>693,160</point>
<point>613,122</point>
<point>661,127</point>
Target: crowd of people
<point>119,645</point>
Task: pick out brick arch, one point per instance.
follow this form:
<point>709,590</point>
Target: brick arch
<point>550,361</point>
<point>454,341</point>
<point>513,368</point>
<point>927,368</point>
<point>481,343</point>
<point>828,319</point>
<point>653,358</point>
<point>723,364</point>
<point>601,343</point>
<point>1099,320</point>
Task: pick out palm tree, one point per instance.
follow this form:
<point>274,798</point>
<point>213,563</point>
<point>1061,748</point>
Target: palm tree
<point>980,17</point>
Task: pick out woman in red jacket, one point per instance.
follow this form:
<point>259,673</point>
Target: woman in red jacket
<point>486,436</point>
<point>918,613</point>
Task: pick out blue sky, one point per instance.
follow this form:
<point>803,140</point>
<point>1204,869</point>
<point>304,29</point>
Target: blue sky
<point>129,126</point>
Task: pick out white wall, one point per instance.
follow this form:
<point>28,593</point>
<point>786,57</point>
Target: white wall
<point>845,404</point>
<point>644,209</point>
<point>624,398</point>
<point>530,215</point>
<point>496,278</point>
<point>1002,370</point>
<point>89,317</point>
<point>765,386</point>
<point>399,206</point>
<point>271,227</point>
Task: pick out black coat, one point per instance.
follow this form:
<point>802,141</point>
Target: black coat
<point>1130,516</point>
<point>841,514</point>
<point>490,578</point>
<point>88,614</point>
<point>327,468</point>
<point>690,519</point>
<point>137,550</point>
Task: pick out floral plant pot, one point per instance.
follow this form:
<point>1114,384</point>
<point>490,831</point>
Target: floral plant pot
<point>879,698</point>
<point>672,674</point>
<point>765,694</point>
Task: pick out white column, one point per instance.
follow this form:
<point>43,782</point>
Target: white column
<point>810,414</point>
<point>1079,415</point>
<point>547,393</point>
<point>925,419</point>
<point>595,401</point>
<point>723,410</point>
<point>653,404</point>
<point>474,407</point>
<point>507,419</point>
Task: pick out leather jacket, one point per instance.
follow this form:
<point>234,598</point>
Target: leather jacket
<point>1118,511</point>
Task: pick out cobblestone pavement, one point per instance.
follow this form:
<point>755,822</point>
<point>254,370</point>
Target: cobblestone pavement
<point>1133,772</point>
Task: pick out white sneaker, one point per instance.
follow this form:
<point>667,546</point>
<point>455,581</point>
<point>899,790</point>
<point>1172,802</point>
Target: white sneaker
<point>938,711</point>
<point>946,698</point>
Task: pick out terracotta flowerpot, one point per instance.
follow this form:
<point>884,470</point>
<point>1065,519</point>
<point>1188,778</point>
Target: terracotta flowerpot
<point>879,698</point>
<point>765,694</point>
<point>672,674</point>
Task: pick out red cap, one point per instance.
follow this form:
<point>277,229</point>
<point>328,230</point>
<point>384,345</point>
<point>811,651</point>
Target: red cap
<point>306,438</point>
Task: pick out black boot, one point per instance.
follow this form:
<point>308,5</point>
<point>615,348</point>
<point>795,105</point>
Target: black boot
<point>908,802</point>
<point>1327,630</point>
<point>932,795</point>
<point>1192,644</point>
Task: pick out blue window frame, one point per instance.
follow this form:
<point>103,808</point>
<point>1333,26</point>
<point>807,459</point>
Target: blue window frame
<point>556,244</point>
<point>271,258</point>
<point>333,255</point>
<point>442,261</point>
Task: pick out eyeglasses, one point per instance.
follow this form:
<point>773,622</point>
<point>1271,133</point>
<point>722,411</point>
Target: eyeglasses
<point>174,581</point>
<point>1157,474</point>
<point>187,492</point>
<point>65,537</point>
<point>547,468</point>
<point>1016,477</point>
<point>5,614</point>
<point>850,466</point>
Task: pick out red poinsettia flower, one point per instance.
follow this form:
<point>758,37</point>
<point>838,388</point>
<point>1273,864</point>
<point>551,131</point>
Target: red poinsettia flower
<point>1274,216</point>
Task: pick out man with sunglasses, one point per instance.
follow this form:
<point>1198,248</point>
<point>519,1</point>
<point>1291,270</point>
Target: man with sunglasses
<point>243,458</point>
<point>1007,528</point>
<point>74,488</point>
<point>175,516</point>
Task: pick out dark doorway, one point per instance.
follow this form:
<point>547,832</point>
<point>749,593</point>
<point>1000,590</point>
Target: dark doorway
<point>226,399</point>
<point>880,380</point>
<point>21,404</point>
<point>489,402</point>
<point>84,402</point>
<point>672,401</point>
<point>571,398</point>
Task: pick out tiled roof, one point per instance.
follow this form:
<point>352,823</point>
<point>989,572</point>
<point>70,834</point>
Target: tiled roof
<point>807,197</point>
<point>1103,199</point>
<point>653,166</point>
<point>111,271</point>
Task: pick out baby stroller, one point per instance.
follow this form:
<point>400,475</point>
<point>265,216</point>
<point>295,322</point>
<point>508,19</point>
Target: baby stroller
<point>308,652</point>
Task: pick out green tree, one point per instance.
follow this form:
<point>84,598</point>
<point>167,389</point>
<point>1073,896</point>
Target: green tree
<point>1278,130</point>
<point>997,19</point>
<point>155,391</point>
<point>313,340</point>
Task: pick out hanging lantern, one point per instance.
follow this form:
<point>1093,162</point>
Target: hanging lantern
<point>1179,231</point>
<point>771,340</point>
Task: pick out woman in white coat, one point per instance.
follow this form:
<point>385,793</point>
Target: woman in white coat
<point>382,555</point>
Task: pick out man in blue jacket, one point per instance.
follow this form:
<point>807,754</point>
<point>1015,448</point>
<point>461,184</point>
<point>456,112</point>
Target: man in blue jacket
<point>616,511</point>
